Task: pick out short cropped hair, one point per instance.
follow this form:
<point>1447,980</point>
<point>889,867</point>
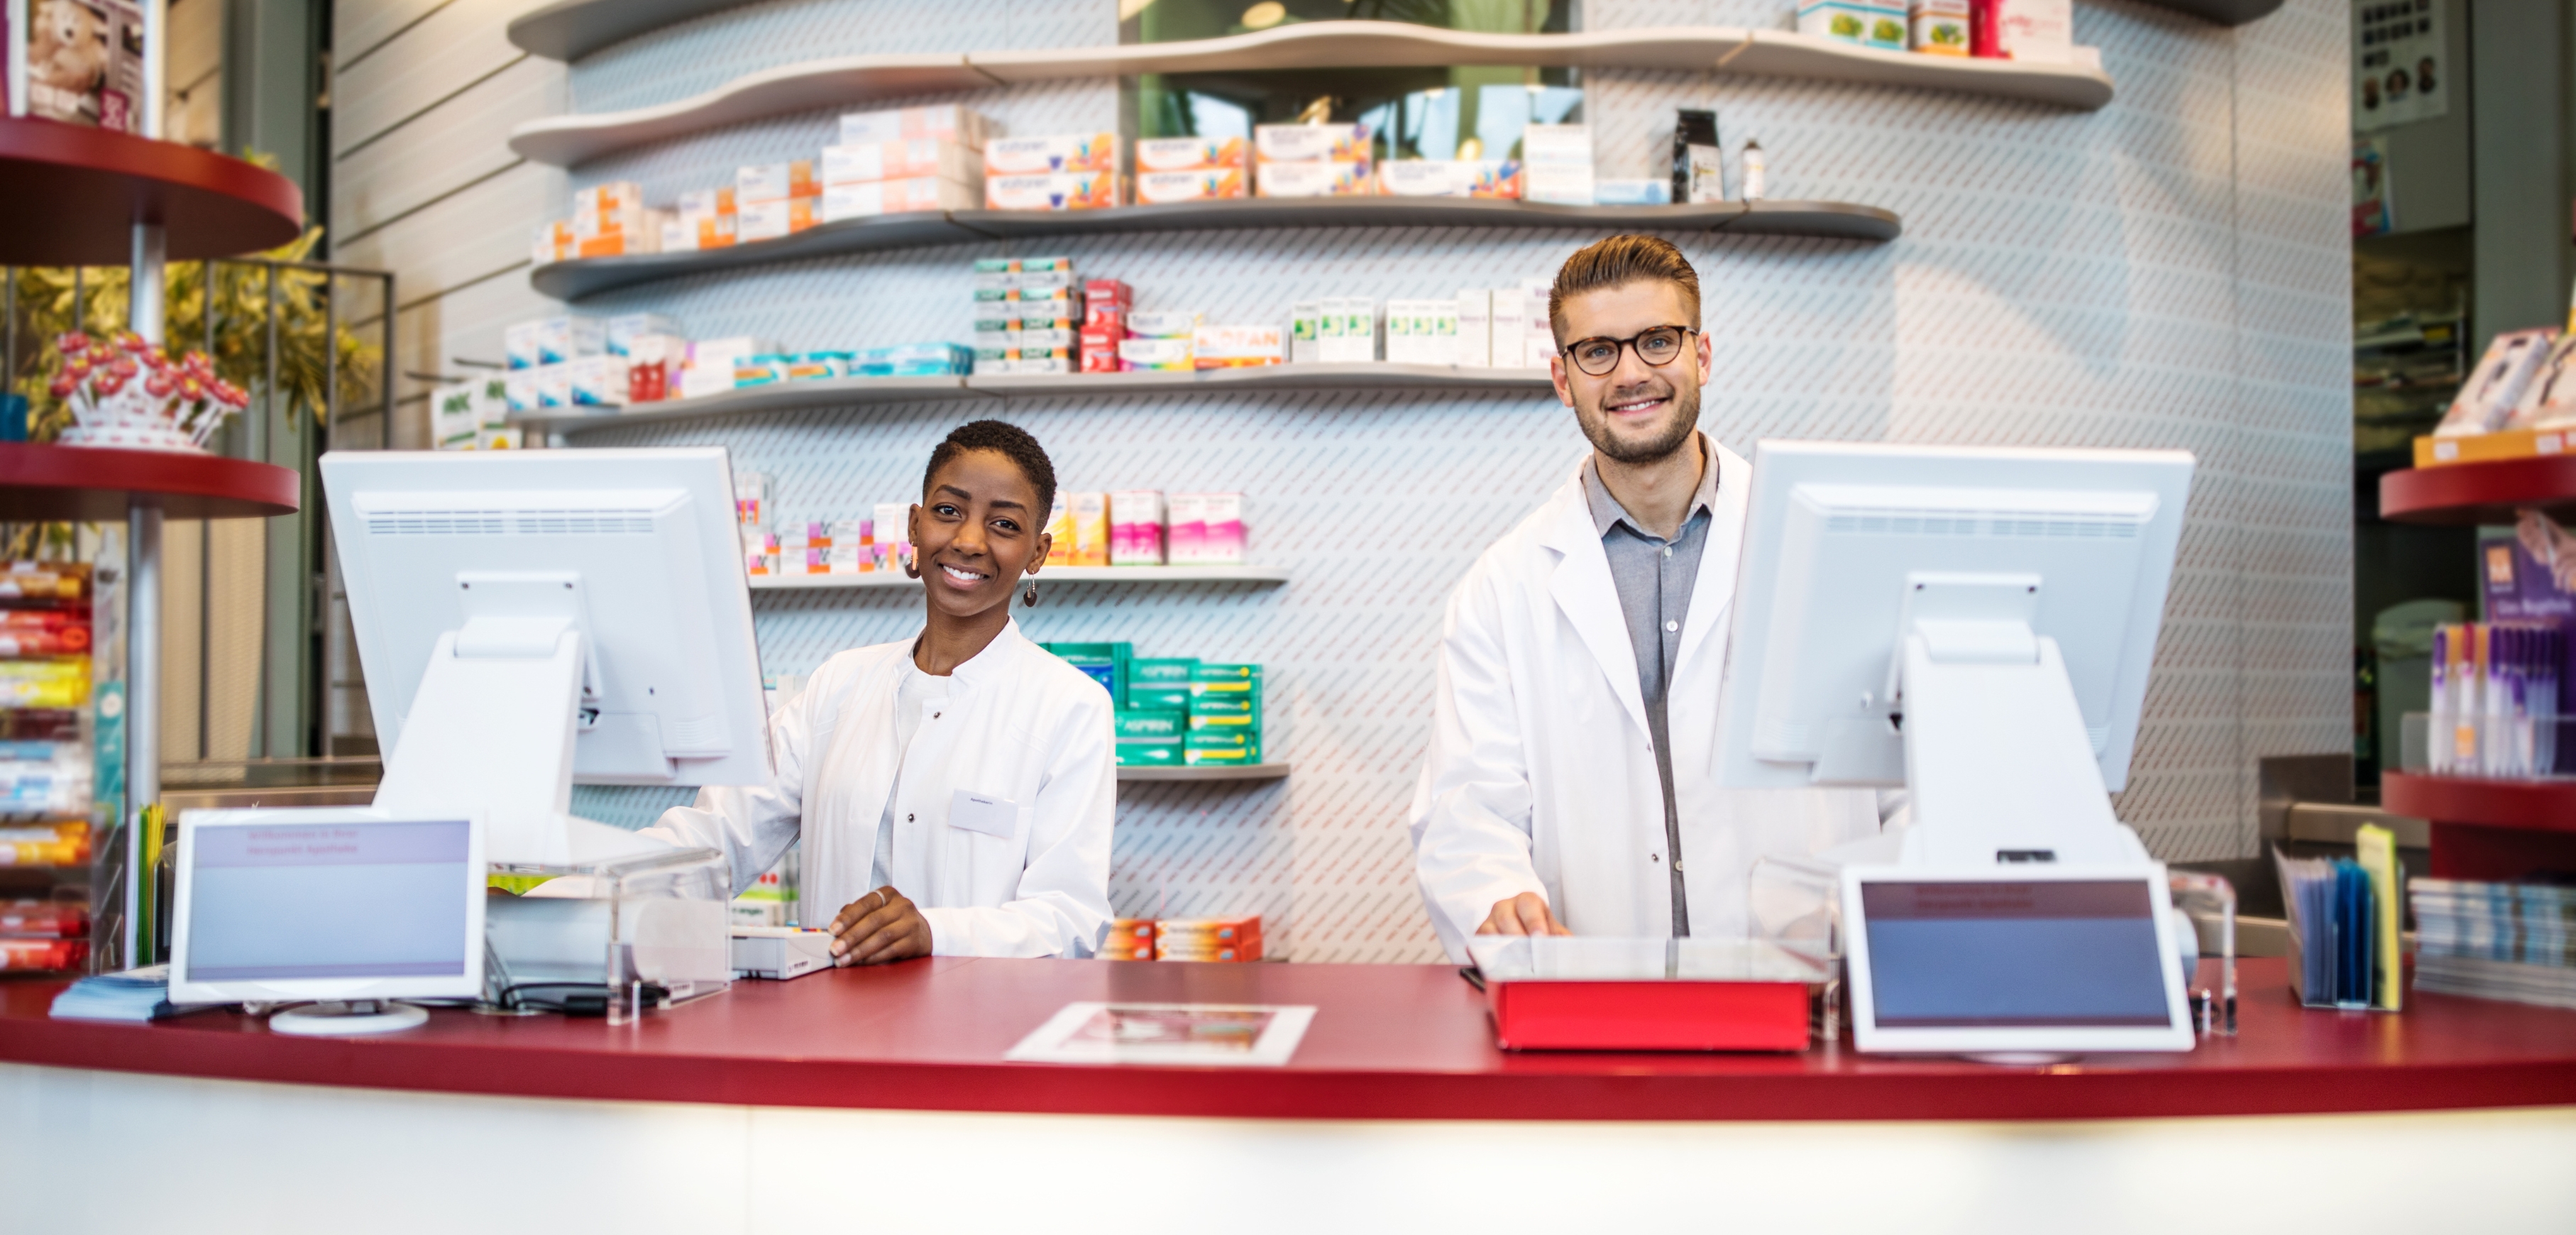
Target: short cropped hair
<point>1007,440</point>
<point>1617,262</point>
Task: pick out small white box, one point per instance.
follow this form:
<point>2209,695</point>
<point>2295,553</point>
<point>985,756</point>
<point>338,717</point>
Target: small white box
<point>1422,332</point>
<point>1051,153</point>
<point>780,952</point>
<point>1348,334</point>
<point>918,193</point>
<point>1305,330</point>
<point>1475,327</point>
<point>619,333</point>
<point>769,182</point>
<point>2041,31</point>
<point>772,219</point>
<point>944,121</point>
<point>553,340</point>
<point>1311,143</point>
<point>1091,190</point>
<point>1199,184</point>
<point>1333,179</point>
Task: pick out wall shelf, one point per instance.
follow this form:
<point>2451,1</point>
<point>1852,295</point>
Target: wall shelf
<point>75,193</point>
<point>580,277</point>
<point>564,141</point>
<point>860,391</point>
<point>1249,771</point>
<point>1269,576</point>
<point>2467,494</point>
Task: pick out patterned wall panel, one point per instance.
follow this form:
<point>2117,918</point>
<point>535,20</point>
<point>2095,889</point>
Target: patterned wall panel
<point>2169,271</point>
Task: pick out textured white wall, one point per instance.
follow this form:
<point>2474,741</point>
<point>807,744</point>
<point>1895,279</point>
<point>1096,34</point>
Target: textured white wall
<point>2169,271</point>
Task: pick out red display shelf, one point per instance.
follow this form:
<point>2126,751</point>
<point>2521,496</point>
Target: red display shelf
<point>2532,805</point>
<point>88,484</point>
<point>74,194</point>
<point>2467,494</point>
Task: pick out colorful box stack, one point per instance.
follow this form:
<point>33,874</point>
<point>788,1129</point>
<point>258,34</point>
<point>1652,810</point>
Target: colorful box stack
<point>1175,711</point>
<point>1314,160</point>
<point>820,546</point>
<point>46,770</point>
<point>1105,305</point>
<point>1029,314</point>
<point>1064,171</point>
<point>1130,939</point>
<point>1142,527</point>
<point>1188,169</point>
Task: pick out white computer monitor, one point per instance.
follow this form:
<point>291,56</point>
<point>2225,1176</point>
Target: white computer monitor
<point>341,905</point>
<point>2030,582</point>
<point>528,619</point>
<point>2038,959</point>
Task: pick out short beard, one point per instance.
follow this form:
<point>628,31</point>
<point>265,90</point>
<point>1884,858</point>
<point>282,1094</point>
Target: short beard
<point>1678,433</point>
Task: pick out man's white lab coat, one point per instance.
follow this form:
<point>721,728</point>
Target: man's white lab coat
<point>1019,724</point>
<point>1541,775</point>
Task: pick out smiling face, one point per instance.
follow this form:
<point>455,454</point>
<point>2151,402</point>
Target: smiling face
<point>1637,413</point>
<point>977,530</point>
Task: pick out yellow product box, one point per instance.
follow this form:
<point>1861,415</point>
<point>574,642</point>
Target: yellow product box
<point>2491,447</point>
<point>1060,529</point>
<point>1089,514</point>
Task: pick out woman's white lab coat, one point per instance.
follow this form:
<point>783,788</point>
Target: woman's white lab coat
<point>1541,774</point>
<point>1019,725</point>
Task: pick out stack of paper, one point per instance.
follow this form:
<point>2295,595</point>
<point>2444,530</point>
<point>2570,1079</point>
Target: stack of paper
<point>132,995</point>
<point>2496,940</point>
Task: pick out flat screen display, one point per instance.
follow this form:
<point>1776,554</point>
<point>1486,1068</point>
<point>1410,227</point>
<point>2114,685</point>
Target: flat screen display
<point>2074,953</point>
<point>329,900</point>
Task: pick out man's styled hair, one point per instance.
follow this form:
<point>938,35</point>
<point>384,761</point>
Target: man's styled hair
<point>1617,262</point>
<point>1009,441</point>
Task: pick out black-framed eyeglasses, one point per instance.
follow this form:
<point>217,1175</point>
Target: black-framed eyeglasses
<point>1658,347</point>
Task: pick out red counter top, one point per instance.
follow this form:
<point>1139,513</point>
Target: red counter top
<point>1389,1042</point>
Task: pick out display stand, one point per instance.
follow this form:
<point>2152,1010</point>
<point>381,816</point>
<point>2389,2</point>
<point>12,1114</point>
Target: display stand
<point>2482,828</point>
<point>84,197</point>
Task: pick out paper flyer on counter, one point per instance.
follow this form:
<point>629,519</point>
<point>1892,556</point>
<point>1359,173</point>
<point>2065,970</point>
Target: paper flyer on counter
<point>1187,1034</point>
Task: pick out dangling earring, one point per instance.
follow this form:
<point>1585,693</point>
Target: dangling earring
<point>911,568</point>
<point>1030,597</point>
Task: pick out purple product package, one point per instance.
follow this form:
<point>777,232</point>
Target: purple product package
<point>2531,579</point>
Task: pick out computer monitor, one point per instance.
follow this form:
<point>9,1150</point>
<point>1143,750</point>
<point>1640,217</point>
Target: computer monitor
<point>527,619</point>
<point>2030,583</point>
<point>335,904</point>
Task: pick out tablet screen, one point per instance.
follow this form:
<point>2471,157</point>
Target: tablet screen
<point>2003,954</point>
<point>329,900</point>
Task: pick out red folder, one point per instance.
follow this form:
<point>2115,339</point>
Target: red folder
<point>1540,1015</point>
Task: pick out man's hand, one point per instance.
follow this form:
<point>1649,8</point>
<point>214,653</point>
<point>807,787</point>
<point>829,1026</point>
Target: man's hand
<point>1525,914</point>
<point>881,926</point>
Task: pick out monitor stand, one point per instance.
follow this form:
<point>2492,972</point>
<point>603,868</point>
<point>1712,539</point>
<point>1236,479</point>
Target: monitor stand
<point>355,1017</point>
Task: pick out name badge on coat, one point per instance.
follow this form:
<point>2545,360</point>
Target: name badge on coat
<point>985,813</point>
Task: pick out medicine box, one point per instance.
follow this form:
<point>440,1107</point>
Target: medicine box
<point>1060,152</point>
<point>2042,31</point>
<point>944,122</point>
<point>873,161</point>
<point>1422,332</point>
<point>619,333</point>
<point>1475,342</point>
<point>1150,753</point>
<point>1184,154</point>
<point>1938,27</point>
<point>1221,542</point>
<point>1089,190</point>
<point>1311,143</point>
<point>1090,513</point>
<point>1234,347</point>
<point>1305,328</point>
<point>1151,354</point>
<point>1221,747</point>
<point>1347,331</point>
<point>769,182</point>
<point>1162,325</point>
<point>1162,670</point>
<point>1164,723</point>
<point>1159,697</point>
<point>770,220</point>
<point>1450,178</point>
<point>1857,21</point>
<point>1333,179</point>
<point>553,340</point>
<point>1136,528</point>
<point>1203,184</point>
<point>905,196</point>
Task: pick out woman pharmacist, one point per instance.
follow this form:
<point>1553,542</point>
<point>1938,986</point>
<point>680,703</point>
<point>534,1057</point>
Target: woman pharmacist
<point>954,790</point>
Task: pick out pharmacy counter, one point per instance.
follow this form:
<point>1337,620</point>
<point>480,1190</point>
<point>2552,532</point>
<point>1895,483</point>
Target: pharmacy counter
<point>897,1074</point>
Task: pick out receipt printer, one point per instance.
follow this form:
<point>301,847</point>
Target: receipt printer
<point>780,952</point>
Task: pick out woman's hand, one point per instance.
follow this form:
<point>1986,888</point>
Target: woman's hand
<point>881,926</point>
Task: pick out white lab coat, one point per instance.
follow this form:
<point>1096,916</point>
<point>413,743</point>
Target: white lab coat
<point>1019,723</point>
<point>1541,774</point>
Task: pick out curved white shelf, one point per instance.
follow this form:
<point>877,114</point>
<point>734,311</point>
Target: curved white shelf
<point>1267,575</point>
<point>563,141</point>
<point>571,29</point>
<point>572,280</point>
<point>1248,771</point>
<point>863,391</point>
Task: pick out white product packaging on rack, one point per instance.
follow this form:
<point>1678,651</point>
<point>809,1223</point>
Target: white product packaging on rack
<point>554,385</point>
<point>618,334</point>
<point>917,193</point>
<point>1557,163</point>
<point>1159,188</point>
<point>874,161</point>
<point>452,422</point>
<point>596,381</point>
<point>2040,31</point>
<point>1184,154</point>
<point>893,527</point>
<point>770,182</point>
<point>1221,529</point>
<point>1185,529</point>
<point>1051,153</point>
<point>552,340</point>
<point>943,122</point>
<point>1311,143</point>
<point>1348,331</point>
<point>1087,190</point>
<point>1869,23</point>
<point>519,390</point>
<point>1334,179</point>
<point>1538,338</point>
<point>1422,332</point>
<point>1235,347</point>
<point>1449,178</point>
<point>775,218</point>
<point>1475,327</point>
<point>1305,331</point>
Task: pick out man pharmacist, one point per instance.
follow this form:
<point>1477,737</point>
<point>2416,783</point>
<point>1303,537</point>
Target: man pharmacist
<point>1567,789</point>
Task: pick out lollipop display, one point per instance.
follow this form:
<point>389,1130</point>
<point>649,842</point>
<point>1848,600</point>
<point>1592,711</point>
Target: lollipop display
<point>128,393</point>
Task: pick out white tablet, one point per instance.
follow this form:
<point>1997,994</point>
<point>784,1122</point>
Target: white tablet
<point>2025,959</point>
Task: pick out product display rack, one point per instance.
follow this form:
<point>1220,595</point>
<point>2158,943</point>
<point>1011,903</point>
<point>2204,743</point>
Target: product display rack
<point>867,391</point>
<point>1049,577</point>
<point>2501,830</point>
<point>2468,494</point>
<point>1249,771</point>
<point>574,279</point>
<point>571,29</point>
<point>86,196</point>
<point>48,746</point>
<point>568,141</point>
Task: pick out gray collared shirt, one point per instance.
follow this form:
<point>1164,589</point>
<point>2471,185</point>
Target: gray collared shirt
<point>1654,578</point>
